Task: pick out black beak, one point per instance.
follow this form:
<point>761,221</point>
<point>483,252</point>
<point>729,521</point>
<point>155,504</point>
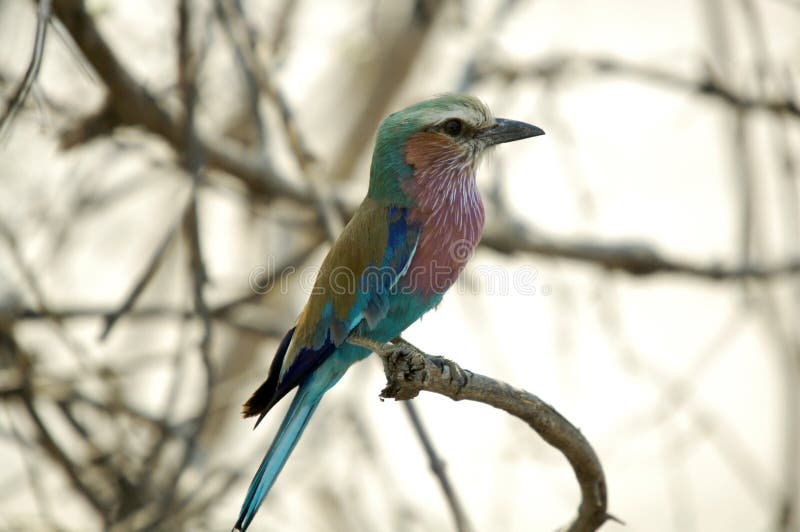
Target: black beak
<point>507,131</point>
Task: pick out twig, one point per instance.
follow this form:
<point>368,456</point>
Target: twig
<point>138,287</point>
<point>635,258</point>
<point>392,67</point>
<point>437,466</point>
<point>128,103</point>
<point>24,87</point>
<point>191,159</point>
<point>718,433</point>
<point>282,23</point>
<point>558,65</point>
<point>245,67</point>
<point>785,336</point>
<point>40,300</point>
<point>237,29</point>
<point>33,472</point>
<point>48,443</point>
<point>329,215</point>
<point>410,371</point>
<point>187,66</point>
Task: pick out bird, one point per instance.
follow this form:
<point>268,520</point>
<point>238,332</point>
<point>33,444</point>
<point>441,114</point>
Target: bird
<point>406,244</point>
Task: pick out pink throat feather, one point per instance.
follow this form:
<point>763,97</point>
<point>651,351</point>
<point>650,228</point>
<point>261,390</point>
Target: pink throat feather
<point>450,211</point>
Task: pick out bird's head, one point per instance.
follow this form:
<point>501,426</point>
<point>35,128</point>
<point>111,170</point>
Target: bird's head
<point>446,135</point>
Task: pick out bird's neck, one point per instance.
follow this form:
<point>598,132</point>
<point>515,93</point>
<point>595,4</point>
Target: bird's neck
<point>449,210</point>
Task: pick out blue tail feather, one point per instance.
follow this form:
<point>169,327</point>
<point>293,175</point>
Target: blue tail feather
<point>309,394</point>
<point>301,410</point>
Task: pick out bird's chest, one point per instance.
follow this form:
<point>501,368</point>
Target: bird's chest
<point>451,226</point>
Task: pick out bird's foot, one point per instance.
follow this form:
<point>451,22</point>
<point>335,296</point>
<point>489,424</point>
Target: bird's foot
<point>451,371</point>
<point>408,369</point>
<point>404,367</point>
<point>417,366</point>
<point>393,352</point>
<point>402,354</point>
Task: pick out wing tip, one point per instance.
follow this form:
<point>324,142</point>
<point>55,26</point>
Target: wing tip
<point>265,395</point>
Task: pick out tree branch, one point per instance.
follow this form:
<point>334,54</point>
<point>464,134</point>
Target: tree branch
<point>24,87</point>
<point>410,371</point>
<point>128,103</point>
<point>438,467</point>
<point>559,65</point>
<point>632,257</point>
<point>392,65</point>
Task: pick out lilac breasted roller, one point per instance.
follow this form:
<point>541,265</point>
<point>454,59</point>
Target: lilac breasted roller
<point>404,247</point>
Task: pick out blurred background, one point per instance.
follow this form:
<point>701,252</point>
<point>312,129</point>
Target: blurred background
<point>170,183</point>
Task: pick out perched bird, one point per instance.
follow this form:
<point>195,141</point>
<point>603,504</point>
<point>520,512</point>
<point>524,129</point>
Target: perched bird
<point>404,247</point>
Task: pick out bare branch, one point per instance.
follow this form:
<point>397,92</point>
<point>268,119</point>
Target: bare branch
<point>141,283</point>
<point>48,442</point>
<point>24,87</point>
<point>437,465</point>
<point>239,32</point>
<point>192,161</point>
<point>393,65</point>
<point>410,371</point>
<point>128,103</point>
<point>635,258</point>
<point>556,67</point>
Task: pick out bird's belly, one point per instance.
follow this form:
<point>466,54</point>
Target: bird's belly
<point>404,309</point>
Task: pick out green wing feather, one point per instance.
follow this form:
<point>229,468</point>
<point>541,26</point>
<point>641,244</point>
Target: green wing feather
<point>366,260</point>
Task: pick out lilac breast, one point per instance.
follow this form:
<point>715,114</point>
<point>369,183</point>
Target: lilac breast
<point>451,215</point>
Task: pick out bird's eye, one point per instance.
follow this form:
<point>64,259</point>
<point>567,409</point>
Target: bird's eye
<point>453,127</point>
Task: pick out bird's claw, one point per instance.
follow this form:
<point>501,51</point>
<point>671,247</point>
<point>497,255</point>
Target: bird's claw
<point>403,365</point>
<point>446,367</point>
<point>407,370</point>
<point>397,350</point>
<point>451,370</point>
